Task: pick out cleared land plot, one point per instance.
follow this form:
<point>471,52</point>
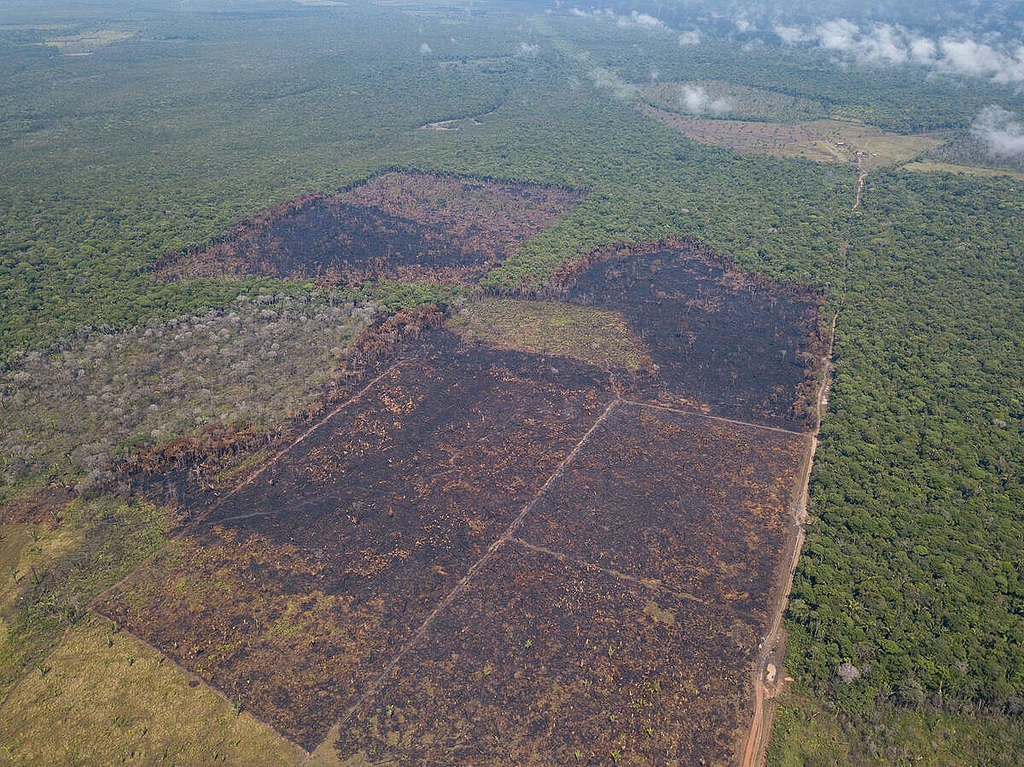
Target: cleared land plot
<point>733,344</point>
<point>932,166</point>
<point>103,697</point>
<point>540,661</point>
<point>306,582</point>
<point>697,505</point>
<point>398,225</point>
<point>817,140</point>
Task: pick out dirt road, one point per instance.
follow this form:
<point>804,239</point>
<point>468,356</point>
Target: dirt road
<point>766,673</point>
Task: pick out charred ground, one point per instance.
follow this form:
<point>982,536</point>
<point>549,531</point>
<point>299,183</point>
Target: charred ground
<point>397,225</point>
<point>294,591</point>
<point>548,557</point>
<point>730,343</point>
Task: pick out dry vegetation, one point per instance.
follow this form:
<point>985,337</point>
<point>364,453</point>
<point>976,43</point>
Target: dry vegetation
<point>78,408</point>
<point>818,140</point>
<point>103,697</point>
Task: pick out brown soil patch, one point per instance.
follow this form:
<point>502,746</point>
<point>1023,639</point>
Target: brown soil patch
<point>817,140</point>
<point>46,504</point>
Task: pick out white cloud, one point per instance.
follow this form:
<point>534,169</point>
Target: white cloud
<point>634,19</point>
<point>791,35</point>
<point>424,49</point>
<point>837,35</point>
<point>888,44</point>
<point>692,37</point>
<point>967,57</point>
<point>527,49</point>
<point>923,50</point>
<point>695,100</point>
<point>1000,131</point>
<point>743,24</point>
<point>643,20</point>
<point>885,44</point>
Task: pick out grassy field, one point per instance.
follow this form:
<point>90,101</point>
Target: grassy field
<point>545,327</point>
<point>103,697</point>
<point>931,166</point>
<point>51,571</point>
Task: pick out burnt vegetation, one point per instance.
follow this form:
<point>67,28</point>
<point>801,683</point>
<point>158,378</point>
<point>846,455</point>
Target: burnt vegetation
<point>293,591</point>
<point>397,225</point>
<point>735,344</point>
<point>351,539</point>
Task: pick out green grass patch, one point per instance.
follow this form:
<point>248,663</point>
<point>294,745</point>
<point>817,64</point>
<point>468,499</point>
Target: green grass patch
<point>241,466</point>
<point>546,327</point>
<point>50,576</point>
<point>931,166</point>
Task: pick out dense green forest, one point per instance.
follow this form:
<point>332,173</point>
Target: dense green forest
<point>913,570</point>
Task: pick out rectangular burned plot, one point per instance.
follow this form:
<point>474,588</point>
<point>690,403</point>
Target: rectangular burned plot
<point>737,344</point>
<point>699,505</point>
<point>407,225</point>
<point>542,662</point>
<point>304,583</point>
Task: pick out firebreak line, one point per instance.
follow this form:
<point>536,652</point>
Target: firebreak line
<point>655,406</point>
<point>285,450</point>
<point>459,587</point>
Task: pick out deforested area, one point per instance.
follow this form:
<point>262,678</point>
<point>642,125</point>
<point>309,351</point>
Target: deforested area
<point>390,383</point>
<point>396,225</point>
<point>348,541</point>
<point>731,343</point>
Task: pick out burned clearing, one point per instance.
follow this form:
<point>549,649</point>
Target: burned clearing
<point>734,344</point>
<point>397,225</point>
<point>302,585</point>
<point>698,506</point>
<point>543,662</point>
<point>497,556</point>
